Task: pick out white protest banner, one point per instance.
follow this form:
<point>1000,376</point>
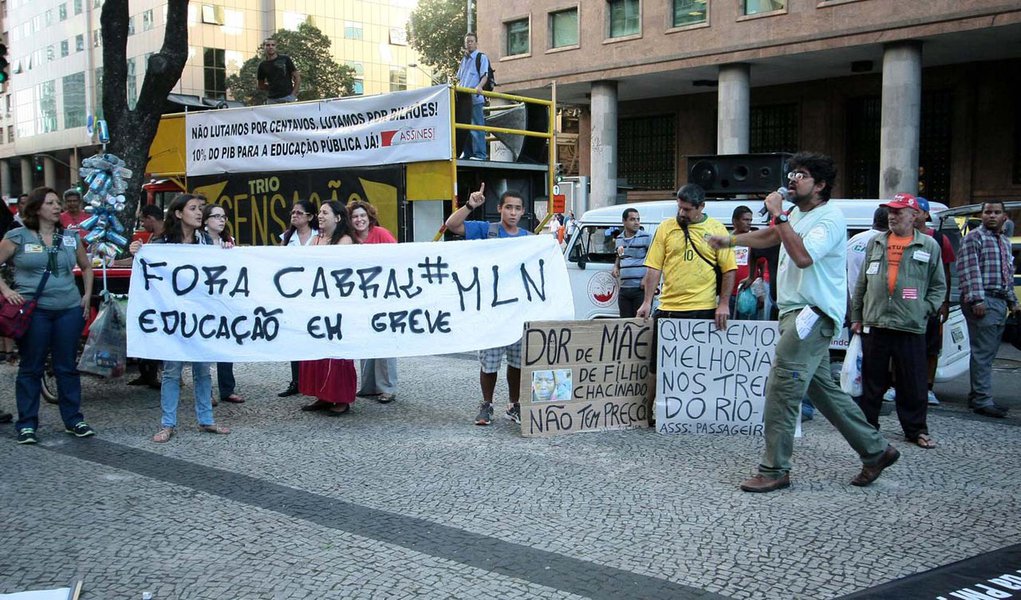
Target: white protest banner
<point>401,127</point>
<point>202,303</point>
<point>585,376</point>
<point>713,381</point>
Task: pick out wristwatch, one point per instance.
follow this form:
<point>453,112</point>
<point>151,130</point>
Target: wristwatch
<point>781,218</point>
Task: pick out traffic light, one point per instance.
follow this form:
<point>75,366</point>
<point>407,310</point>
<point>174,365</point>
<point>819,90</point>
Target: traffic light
<point>4,76</point>
<point>37,164</point>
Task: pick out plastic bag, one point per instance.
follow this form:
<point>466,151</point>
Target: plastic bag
<point>747,304</point>
<point>106,349</point>
<point>850,373</point>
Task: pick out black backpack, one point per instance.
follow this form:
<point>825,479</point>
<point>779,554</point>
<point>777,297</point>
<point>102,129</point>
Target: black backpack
<point>491,78</point>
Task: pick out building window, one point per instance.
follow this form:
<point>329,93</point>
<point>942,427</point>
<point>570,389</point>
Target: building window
<point>358,88</point>
<point>754,7</point>
<point>862,135</point>
<point>689,12</point>
<point>646,152</point>
<point>131,25</point>
<point>214,66</point>
<point>212,15</point>
<point>65,48</point>
<point>147,20</point>
<point>624,18</point>
<point>934,144</point>
<point>47,107</point>
<point>62,12</point>
<point>517,37</point>
<point>97,38</point>
<point>398,36</point>
<point>10,133</point>
<point>352,30</point>
<point>79,43</point>
<point>49,17</point>
<point>132,84</point>
<point>398,79</point>
<point>74,100</point>
<point>563,28</point>
<point>773,128</point>
<point>77,7</point>
<point>99,93</point>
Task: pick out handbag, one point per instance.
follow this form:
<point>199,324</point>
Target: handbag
<point>15,318</point>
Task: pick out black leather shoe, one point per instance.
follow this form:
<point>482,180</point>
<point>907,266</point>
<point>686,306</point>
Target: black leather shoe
<point>870,473</point>
<point>995,411</point>
<point>6,417</point>
<point>292,389</point>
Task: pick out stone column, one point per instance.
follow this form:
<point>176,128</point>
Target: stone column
<point>5,178</point>
<point>27,176</point>
<point>49,172</point>
<point>902,111</point>
<point>603,144</point>
<point>733,101</point>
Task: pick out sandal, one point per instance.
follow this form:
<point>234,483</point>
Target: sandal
<point>163,435</point>
<point>234,399</point>
<point>924,441</point>
<point>213,428</point>
<point>338,410</point>
<point>386,398</point>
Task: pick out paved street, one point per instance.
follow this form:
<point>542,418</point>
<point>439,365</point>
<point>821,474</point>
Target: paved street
<point>410,500</point>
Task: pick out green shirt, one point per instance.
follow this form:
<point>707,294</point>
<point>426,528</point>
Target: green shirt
<point>30,259</point>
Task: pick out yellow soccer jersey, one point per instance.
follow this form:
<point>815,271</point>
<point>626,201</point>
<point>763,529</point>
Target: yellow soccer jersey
<point>689,283</point>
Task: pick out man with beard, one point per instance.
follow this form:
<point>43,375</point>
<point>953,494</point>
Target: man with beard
<point>812,300</point>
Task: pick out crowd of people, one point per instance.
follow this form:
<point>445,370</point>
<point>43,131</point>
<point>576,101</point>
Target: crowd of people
<point>889,285</point>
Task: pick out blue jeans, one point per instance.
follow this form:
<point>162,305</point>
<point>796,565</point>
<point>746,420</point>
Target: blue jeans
<point>985,334</point>
<point>479,137</point>
<point>170,392</point>
<point>55,333</point>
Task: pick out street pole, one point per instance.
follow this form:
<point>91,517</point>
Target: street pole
<point>471,16</point>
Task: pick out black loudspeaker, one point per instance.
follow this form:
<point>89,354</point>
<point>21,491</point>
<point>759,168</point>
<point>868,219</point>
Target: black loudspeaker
<point>728,174</point>
<point>528,117</point>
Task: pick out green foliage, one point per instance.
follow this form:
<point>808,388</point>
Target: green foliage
<point>436,31</point>
<point>309,48</point>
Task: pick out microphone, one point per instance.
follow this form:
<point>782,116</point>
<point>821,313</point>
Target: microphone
<point>784,194</point>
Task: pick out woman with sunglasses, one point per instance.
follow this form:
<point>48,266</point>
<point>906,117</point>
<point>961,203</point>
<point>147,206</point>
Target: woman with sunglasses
<point>300,233</point>
<point>379,375</point>
<point>183,225</point>
<point>214,221</point>
<point>332,381</point>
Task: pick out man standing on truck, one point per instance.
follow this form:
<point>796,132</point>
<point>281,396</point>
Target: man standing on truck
<point>629,266</point>
<point>278,75</point>
<point>511,208</point>
<point>812,297</point>
<point>986,272</point>
<point>691,271</point>
<point>73,214</point>
<point>472,73</point>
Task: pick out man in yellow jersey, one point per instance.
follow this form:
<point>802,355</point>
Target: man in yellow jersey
<point>697,278</point>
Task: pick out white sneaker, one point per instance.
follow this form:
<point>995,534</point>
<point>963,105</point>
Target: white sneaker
<point>933,400</point>
<point>890,395</point>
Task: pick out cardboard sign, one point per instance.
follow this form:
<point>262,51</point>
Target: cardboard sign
<point>584,376</point>
<point>713,381</point>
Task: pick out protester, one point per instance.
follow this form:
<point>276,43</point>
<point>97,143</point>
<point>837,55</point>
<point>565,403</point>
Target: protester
<point>473,72</point>
<point>44,256</point>
<point>689,268</point>
<point>183,225</point>
<point>278,75</point>
<point>22,199</point>
<point>747,270</point>
<point>934,330</point>
<point>985,271</point>
<point>7,351</point>
<point>379,375</point>
<point>300,233</point>
<point>73,214</point>
<point>511,208</point>
<point>812,297</point>
<point>901,286</point>
<point>332,381</point>
<point>151,219</point>
<point>214,221</point>
<point>629,265</point>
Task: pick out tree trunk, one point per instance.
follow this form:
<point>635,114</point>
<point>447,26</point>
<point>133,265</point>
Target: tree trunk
<point>132,131</point>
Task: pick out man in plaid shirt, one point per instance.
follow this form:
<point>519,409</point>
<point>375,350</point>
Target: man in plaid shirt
<point>985,269</point>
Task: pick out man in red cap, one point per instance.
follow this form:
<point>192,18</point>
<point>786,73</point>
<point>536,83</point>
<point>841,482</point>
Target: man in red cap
<point>900,286</point>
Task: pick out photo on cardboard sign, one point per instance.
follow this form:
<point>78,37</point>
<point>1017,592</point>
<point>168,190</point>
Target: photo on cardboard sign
<point>552,385</point>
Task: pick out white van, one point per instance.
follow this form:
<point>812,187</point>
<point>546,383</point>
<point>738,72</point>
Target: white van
<point>590,256</point>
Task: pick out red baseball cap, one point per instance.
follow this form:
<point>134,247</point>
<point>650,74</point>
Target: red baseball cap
<point>903,200</point>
